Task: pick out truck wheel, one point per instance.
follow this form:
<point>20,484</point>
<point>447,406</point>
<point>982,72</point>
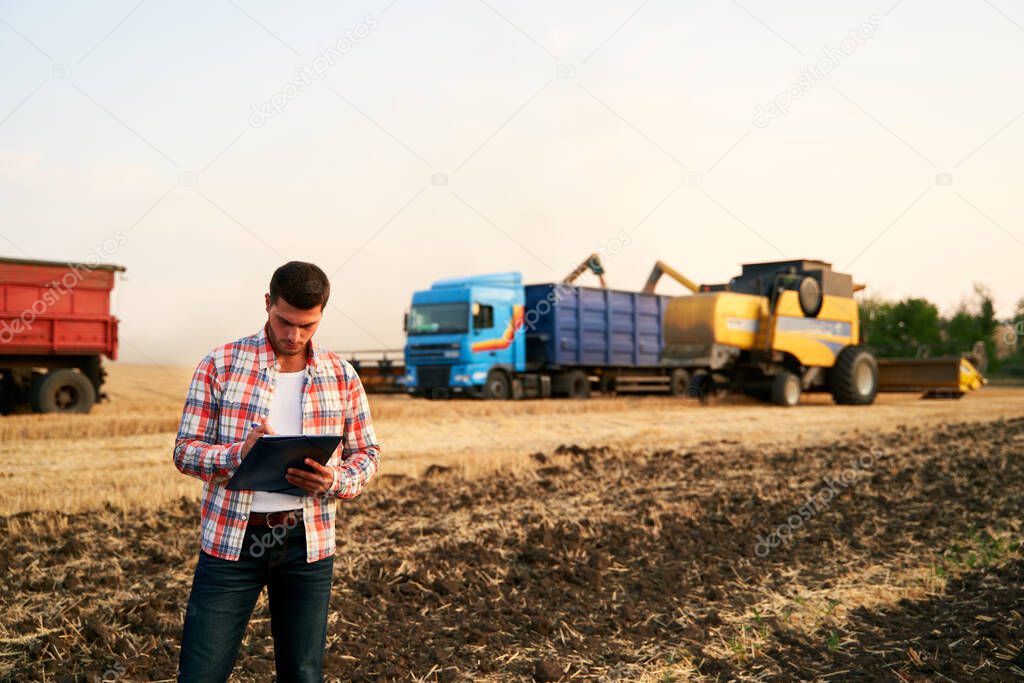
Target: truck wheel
<point>853,379</point>
<point>63,391</point>
<point>497,387</point>
<point>577,384</point>
<point>785,389</point>
<point>679,382</point>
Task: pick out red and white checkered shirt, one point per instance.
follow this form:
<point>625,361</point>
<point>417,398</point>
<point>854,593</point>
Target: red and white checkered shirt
<point>231,388</point>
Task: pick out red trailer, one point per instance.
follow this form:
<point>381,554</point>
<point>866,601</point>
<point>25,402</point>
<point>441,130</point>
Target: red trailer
<point>55,324</point>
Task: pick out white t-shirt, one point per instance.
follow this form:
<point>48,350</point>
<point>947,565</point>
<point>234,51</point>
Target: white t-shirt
<point>285,418</point>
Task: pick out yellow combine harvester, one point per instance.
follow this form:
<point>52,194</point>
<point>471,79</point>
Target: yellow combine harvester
<point>778,329</point>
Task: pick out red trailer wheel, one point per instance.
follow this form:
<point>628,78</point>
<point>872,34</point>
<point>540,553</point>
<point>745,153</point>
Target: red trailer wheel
<point>63,391</point>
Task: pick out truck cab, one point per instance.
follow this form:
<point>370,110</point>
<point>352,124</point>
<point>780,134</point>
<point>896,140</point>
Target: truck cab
<point>461,336</point>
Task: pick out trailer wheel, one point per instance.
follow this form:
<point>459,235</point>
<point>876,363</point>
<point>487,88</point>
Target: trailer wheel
<point>853,380</point>
<point>63,391</point>
<point>577,384</point>
<point>679,382</point>
<point>497,387</point>
<point>785,389</point>
<point>8,393</point>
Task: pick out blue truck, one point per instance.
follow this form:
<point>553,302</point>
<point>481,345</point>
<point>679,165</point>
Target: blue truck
<point>489,336</point>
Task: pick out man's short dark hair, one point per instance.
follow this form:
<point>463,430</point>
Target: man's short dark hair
<point>301,284</point>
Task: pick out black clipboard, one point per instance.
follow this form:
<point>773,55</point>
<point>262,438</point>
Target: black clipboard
<point>264,467</point>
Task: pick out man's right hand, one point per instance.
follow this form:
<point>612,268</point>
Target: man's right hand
<point>254,434</point>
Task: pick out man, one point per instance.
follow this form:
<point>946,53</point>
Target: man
<point>277,380</point>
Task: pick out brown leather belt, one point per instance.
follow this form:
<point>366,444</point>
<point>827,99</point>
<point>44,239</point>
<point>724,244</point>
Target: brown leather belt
<point>290,517</point>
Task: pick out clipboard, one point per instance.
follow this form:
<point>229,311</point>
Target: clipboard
<point>264,467</point>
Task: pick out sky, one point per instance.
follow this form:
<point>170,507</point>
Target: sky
<point>397,142</point>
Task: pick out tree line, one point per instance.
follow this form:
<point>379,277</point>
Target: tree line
<point>914,327</point>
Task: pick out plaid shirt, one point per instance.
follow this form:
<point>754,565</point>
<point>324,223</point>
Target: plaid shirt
<point>231,388</point>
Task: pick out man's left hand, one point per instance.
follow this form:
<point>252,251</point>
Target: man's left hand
<point>316,482</point>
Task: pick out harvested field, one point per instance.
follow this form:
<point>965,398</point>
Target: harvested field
<point>592,562</point>
<point>121,453</point>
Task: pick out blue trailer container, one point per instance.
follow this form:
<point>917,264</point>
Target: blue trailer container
<point>593,327</point>
<point>489,336</point>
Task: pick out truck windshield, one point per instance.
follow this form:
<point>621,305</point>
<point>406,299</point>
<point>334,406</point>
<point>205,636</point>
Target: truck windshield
<point>439,318</point>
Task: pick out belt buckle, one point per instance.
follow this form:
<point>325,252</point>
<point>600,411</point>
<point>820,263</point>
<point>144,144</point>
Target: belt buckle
<point>286,517</point>
<point>258,518</point>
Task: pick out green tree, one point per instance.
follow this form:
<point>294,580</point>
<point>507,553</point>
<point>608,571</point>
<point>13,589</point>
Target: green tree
<point>974,320</point>
<point>911,327</point>
<point>1013,364</point>
<point>1017,324</point>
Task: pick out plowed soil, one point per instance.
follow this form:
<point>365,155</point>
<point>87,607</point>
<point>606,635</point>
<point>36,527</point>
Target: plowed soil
<point>596,564</point>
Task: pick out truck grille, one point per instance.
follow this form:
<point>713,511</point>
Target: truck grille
<point>432,376</point>
<point>444,353</point>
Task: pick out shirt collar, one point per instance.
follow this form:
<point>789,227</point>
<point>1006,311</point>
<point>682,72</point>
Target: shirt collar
<point>268,359</point>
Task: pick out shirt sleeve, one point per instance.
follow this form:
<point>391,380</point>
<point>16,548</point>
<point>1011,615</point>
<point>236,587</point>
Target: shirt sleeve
<point>360,452</point>
<point>196,451</point>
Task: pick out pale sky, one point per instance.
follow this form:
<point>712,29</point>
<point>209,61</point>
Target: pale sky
<point>556,126</point>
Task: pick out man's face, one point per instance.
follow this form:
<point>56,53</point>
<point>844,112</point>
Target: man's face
<point>291,328</point>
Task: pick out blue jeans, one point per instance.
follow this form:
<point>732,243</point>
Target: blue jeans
<point>224,593</point>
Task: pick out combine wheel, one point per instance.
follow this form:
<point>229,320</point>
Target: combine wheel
<point>704,388</point>
<point>853,380</point>
<point>785,389</point>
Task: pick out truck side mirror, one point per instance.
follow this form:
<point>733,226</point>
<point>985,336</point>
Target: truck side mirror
<point>405,322</point>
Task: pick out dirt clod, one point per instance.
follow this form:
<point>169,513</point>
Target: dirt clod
<point>547,671</point>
